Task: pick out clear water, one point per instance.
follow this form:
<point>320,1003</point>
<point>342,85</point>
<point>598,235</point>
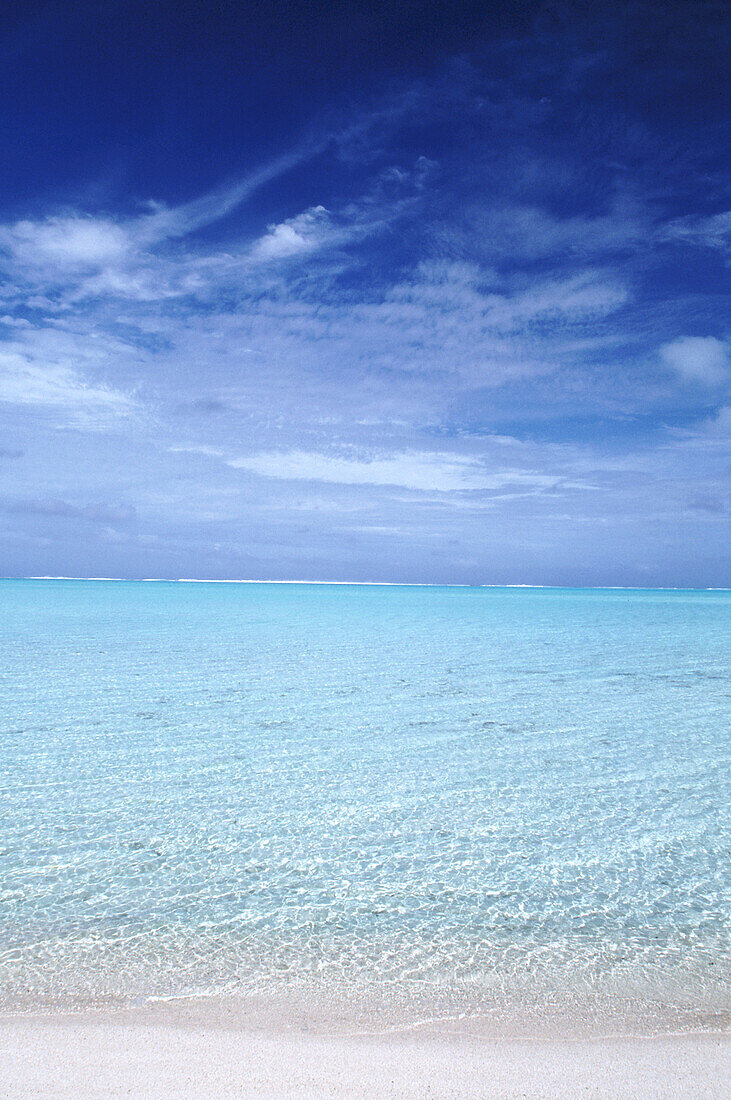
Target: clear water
<point>467,798</point>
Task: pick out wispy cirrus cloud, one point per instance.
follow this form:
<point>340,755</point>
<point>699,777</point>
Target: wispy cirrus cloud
<point>420,471</point>
<point>74,241</point>
<point>712,232</point>
<point>25,381</point>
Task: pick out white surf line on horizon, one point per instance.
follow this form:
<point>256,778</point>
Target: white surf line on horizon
<point>380,584</point>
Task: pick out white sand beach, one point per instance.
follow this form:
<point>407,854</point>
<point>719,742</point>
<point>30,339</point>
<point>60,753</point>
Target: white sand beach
<point>107,1054</point>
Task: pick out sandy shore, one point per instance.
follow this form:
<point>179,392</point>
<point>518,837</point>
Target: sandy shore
<point>105,1055</point>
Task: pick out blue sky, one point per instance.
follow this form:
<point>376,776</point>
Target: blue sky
<point>434,294</point>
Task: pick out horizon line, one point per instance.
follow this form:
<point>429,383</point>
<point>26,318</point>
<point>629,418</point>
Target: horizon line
<point>380,584</point>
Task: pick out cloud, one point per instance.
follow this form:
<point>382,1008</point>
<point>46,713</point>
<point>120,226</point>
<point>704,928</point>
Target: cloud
<point>712,232</point>
<point>419,471</point>
<point>394,192</point>
<point>179,221</point>
<point>702,359</point>
<point>304,233</point>
<point>75,242</point>
<point>95,513</point>
<point>24,382</point>
<point>64,365</point>
<point>87,255</point>
<point>588,294</point>
<point>714,430</point>
<point>60,261</point>
<point>518,233</point>
<point>466,288</point>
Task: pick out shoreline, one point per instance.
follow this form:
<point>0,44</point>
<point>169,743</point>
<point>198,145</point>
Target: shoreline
<point>334,1012</point>
<point>184,1051</point>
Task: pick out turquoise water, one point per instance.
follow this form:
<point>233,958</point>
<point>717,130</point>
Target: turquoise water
<point>462,796</point>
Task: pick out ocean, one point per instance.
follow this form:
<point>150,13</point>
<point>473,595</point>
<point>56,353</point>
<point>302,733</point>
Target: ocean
<point>487,802</point>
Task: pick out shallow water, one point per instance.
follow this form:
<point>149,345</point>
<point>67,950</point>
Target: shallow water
<point>470,799</point>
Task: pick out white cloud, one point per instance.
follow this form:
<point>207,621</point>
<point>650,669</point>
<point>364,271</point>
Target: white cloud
<point>588,294</point>
<point>66,368</point>
<point>713,232</point>
<point>459,288</point>
<point>23,382</point>
<point>417,470</point>
<point>86,256</point>
<point>179,221</point>
<point>701,359</point>
<point>74,241</point>
<point>520,232</point>
<point>301,234</point>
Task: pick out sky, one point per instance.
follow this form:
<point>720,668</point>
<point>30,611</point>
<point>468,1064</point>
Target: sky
<point>418,292</point>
